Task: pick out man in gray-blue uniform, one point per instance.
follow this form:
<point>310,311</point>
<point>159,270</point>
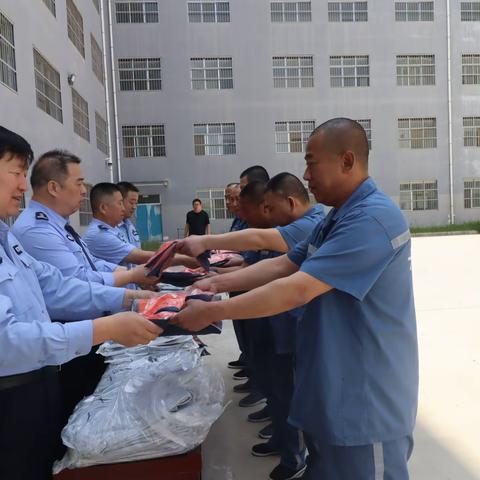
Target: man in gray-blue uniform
<point>130,201</point>
<point>288,205</point>
<point>44,229</point>
<point>31,345</point>
<point>356,385</point>
<point>103,237</point>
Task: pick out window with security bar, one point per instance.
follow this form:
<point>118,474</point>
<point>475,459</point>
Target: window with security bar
<point>97,59</point>
<point>293,72</point>
<point>80,115</point>
<point>208,11</point>
<point>471,69</point>
<point>214,138</point>
<point>51,6</point>
<point>101,133</point>
<point>85,211</point>
<point>292,137</point>
<point>420,195</point>
<point>415,70</point>
<point>47,87</point>
<point>348,11</point>
<point>8,65</point>
<point>75,27</point>
<point>213,202</point>
<point>471,193</point>
<point>144,141</point>
<point>282,12</point>
<point>349,71</point>
<point>470,11</point>
<point>471,131</point>
<point>367,126</point>
<point>417,132</point>
<point>414,12</point>
<point>136,12</point>
<point>211,73</point>
<point>140,74</point>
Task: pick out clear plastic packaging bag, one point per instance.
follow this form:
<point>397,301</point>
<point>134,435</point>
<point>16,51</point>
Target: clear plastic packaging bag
<point>153,401</point>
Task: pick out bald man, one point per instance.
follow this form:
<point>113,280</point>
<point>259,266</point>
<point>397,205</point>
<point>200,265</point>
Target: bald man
<point>356,384</point>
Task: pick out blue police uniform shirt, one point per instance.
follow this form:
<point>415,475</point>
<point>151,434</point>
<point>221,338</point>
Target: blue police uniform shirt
<point>284,325</point>
<point>129,233</point>
<point>238,224</point>
<point>42,233</point>
<point>357,354</point>
<point>107,242</point>
<point>32,292</point>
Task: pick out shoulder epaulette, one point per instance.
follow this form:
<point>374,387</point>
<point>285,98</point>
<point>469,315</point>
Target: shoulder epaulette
<point>41,216</point>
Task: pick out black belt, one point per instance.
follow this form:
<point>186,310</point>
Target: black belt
<point>12,381</point>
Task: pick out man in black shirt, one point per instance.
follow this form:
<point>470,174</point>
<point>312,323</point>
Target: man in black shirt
<point>198,222</point>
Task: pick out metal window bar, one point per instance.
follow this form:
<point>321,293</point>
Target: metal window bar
<point>101,133</point>
<point>51,6</point>
<point>47,87</point>
<point>470,11</point>
<point>416,133</point>
<point>80,115</point>
<point>8,66</point>
<point>144,141</point>
<point>471,69</point>
<point>293,72</point>
<point>282,12</point>
<point>211,73</point>
<point>349,71</point>
<point>75,27</point>
<point>136,12</point>
<point>292,137</point>
<point>203,11</point>
<point>414,12</point>
<point>471,193</point>
<point>348,11</point>
<point>367,126</point>
<point>214,139</point>
<point>420,195</point>
<point>85,211</point>
<point>415,70</point>
<point>140,74</point>
<point>97,59</point>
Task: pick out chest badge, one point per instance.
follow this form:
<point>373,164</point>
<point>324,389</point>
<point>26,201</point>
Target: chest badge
<point>17,249</point>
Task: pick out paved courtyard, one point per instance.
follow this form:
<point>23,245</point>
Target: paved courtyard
<point>447,291</point>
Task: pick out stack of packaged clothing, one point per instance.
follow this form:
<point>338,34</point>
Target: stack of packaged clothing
<point>153,401</point>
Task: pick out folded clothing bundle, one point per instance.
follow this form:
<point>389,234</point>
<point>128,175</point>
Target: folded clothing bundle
<point>160,309</point>
<point>161,259</point>
<point>183,278</point>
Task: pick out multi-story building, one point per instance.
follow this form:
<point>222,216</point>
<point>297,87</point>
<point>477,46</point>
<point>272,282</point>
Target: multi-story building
<point>202,89</point>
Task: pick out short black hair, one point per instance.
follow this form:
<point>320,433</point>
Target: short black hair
<point>254,192</point>
<point>288,185</point>
<point>343,134</point>
<point>52,165</point>
<point>196,200</point>
<point>99,192</point>
<point>14,144</point>
<point>126,187</point>
<point>256,173</point>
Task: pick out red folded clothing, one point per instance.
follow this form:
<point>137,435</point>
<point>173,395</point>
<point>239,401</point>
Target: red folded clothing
<point>161,259</point>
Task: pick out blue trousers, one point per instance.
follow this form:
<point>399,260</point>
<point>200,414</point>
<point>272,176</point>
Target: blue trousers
<point>380,461</point>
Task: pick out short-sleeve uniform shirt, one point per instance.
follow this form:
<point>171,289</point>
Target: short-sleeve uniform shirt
<point>357,355</point>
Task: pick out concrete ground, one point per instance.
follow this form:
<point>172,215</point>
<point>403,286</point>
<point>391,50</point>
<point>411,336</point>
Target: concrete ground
<point>447,291</point>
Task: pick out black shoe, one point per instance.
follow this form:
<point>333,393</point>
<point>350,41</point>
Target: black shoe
<point>251,400</point>
<point>240,375</point>
<point>266,432</point>
<point>260,416</point>
<point>237,364</point>
<point>264,450</point>
<point>281,472</point>
<point>243,387</point>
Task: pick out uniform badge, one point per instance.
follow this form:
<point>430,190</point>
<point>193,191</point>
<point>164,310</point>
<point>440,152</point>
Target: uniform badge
<point>17,249</point>
<point>41,216</point>
<point>103,227</point>
<point>70,237</point>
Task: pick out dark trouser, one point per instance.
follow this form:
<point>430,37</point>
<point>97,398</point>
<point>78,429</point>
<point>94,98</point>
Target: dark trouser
<point>380,461</point>
<point>30,424</point>
<point>276,381</point>
<point>79,378</point>
<point>241,333</point>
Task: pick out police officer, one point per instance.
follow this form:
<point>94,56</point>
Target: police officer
<point>103,236</point>
<point>31,345</point>
<point>356,386</point>
<point>288,205</point>
<point>44,229</point>
<point>130,201</point>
